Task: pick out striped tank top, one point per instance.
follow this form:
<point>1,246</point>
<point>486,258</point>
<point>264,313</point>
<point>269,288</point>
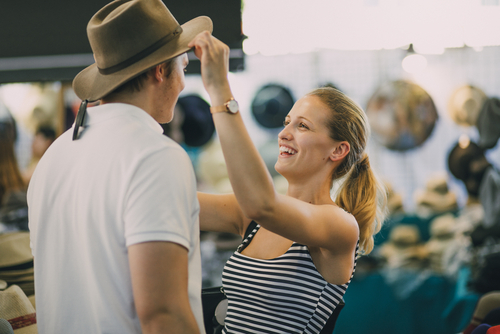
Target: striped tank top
<point>286,294</point>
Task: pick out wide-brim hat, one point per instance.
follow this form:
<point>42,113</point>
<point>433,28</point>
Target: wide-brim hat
<point>128,37</point>
<point>488,123</point>
<point>18,310</point>
<point>465,103</point>
<point>14,249</point>
<point>271,104</point>
<point>198,125</point>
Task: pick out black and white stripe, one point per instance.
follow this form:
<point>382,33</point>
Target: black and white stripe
<point>286,294</point>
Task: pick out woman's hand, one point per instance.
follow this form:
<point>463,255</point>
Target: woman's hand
<point>214,58</point>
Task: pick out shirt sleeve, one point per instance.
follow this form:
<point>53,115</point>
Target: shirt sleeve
<point>161,202</point>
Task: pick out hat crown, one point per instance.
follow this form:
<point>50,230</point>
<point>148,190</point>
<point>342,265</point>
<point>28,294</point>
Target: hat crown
<point>124,28</point>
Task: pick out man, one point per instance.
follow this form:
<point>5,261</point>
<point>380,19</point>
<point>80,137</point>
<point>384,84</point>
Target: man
<point>112,204</point>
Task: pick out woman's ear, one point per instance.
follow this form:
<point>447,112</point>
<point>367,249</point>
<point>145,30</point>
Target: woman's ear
<point>340,151</point>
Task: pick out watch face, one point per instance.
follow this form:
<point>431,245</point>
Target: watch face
<point>232,106</point>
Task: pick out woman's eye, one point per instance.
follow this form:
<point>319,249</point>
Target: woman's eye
<point>285,123</point>
<point>302,125</point>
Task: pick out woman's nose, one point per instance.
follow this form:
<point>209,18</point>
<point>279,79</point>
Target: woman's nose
<point>285,134</point>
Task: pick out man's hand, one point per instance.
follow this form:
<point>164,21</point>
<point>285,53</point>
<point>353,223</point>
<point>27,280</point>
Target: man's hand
<point>214,58</point>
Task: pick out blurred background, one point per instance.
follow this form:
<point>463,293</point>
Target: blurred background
<point>427,73</point>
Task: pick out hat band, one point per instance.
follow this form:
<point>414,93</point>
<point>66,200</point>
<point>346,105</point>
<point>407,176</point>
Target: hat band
<point>144,53</point>
<point>23,321</point>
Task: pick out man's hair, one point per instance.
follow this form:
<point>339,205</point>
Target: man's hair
<point>135,84</point>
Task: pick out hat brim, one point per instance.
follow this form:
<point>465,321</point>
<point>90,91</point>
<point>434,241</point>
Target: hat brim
<point>91,85</point>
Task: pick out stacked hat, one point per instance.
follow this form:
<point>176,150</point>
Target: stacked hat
<point>16,261</point>
<point>436,197</point>
<point>16,308</point>
<point>488,123</point>
<point>404,248</point>
<point>442,236</point>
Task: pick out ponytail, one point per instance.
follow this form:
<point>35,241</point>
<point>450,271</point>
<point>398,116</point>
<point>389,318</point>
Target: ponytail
<point>364,196</point>
<point>361,194</point>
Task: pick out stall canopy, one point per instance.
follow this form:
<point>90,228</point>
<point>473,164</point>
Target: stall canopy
<point>47,40</point>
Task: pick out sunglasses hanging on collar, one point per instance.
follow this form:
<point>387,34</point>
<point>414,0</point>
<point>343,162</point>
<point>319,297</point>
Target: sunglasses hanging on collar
<point>80,118</point>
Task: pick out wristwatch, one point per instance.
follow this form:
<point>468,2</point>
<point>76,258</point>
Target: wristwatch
<point>230,106</point>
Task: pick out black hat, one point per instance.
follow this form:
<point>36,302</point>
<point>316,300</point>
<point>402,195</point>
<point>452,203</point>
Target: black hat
<point>198,126</point>
<point>467,162</point>
<point>488,123</point>
<point>271,104</point>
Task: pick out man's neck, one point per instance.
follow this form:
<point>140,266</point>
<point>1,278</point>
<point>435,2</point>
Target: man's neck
<point>138,99</point>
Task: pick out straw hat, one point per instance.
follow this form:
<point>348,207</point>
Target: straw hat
<point>17,309</point>
<point>14,249</point>
<point>127,38</point>
<point>465,104</point>
<point>436,198</point>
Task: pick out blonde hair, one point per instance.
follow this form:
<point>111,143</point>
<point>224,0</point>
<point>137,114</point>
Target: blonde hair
<point>361,193</point>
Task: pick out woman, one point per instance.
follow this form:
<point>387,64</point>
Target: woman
<point>13,206</point>
<point>292,270</point>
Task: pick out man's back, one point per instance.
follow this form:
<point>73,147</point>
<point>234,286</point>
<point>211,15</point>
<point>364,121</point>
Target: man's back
<point>121,183</point>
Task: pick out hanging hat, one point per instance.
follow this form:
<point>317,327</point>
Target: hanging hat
<point>402,115</point>
<point>460,158</point>
<point>198,125</point>
<point>271,104</point>
<point>467,162</point>
<point>488,123</point>
<point>127,38</point>
<point>464,105</point>
<point>17,309</point>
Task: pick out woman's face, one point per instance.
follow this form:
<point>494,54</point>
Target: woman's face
<point>305,143</point>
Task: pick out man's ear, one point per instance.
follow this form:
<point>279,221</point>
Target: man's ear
<point>159,72</point>
<point>340,151</point>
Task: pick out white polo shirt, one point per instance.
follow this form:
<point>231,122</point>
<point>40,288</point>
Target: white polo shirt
<point>122,182</point>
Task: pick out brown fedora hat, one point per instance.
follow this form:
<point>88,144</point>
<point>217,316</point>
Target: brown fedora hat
<point>127,38</point>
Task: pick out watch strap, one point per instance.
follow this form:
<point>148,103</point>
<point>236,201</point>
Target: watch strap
<point>222,108</point>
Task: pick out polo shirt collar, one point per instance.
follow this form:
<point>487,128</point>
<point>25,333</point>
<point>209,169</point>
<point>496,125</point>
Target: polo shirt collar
<point>107,111</point>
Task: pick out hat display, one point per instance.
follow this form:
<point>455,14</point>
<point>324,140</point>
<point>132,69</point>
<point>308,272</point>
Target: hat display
<point>16,261</point>
<point>464,105</point>
<point>488,123</point>
<point>442,232</point>
<point>402,115</point>
<point>17,309</point>
<point>271,104</point>
<point>198,125</point>
<point>394,200</point>
<point>436,197</point>
<point>404,249</point>
<point>127,38</point>
<point>14,249</point>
